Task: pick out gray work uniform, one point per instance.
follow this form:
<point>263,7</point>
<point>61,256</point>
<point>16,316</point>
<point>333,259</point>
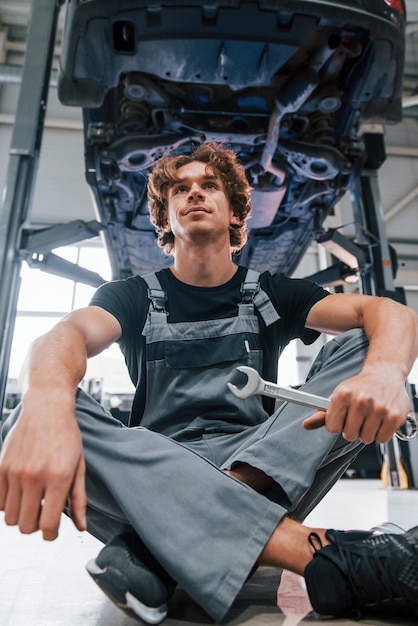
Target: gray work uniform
<point>206,528</point>
<point>189,364</point>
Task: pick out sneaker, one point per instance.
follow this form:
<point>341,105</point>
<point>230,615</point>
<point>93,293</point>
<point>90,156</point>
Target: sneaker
<point>388,528</point>
<point>130,576</point>
<point>361,571</point>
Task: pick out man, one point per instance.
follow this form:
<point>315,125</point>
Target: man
<point>203,487</point>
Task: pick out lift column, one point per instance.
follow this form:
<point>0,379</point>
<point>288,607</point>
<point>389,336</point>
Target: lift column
<point>23,160</point>
<point>368,209</point>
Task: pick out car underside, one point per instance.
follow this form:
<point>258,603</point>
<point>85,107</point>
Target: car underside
<point>287,85</point>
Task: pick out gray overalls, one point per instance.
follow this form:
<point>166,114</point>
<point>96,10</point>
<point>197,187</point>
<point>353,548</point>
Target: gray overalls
<point>206,528</point>
<point>189,364</point>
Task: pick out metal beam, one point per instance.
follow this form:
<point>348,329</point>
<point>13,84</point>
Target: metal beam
<point>54,264</point>
<point>50,122</point>
<point>12,75</point>
<point>402,151</point>
<point>46,239</point>
<point>366,192</point>
<point>409,101</point>
<point>23,161</point>
<point>401,204</point>
<point>382,260</point>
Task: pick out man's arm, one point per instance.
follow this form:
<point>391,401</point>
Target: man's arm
<point>372,405</point>
<point>42,463</point>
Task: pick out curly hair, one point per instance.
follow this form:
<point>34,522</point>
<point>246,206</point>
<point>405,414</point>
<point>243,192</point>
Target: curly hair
<point>225,165</point>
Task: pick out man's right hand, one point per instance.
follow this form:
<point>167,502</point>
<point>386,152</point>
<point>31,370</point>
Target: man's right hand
<point>42,463</point>
<point>42,466</point>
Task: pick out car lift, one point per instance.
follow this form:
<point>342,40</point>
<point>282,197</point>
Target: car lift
<point>400,458</point>
<point>17,243</point>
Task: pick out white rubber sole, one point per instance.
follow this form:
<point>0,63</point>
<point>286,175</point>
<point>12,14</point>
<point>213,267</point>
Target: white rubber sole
<point>115,586</point>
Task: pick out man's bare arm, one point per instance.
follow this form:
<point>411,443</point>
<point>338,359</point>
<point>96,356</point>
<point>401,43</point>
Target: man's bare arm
<point>42,463</point>
<point>372,405</point>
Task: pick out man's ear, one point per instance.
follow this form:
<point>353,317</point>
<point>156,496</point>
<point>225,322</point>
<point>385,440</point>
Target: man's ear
<point>165,223</point>
<point>234,218</point>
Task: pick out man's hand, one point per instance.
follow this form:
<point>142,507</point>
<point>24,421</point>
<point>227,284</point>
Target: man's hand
<point>42,466</point>
<point>370,406</point>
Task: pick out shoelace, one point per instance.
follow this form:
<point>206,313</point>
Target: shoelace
<point>313,539</point>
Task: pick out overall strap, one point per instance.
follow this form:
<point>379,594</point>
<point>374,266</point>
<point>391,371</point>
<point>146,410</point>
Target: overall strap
<point>253,295</point>
<point>249,288</point>
<point>157,297</point>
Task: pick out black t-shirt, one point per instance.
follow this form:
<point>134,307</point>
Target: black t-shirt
<point>128,302</point>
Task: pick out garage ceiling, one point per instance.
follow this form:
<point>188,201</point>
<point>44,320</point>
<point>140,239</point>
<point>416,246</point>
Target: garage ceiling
<point>62,194</point>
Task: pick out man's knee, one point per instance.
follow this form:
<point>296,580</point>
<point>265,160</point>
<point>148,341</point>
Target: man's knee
<point>352,344</point>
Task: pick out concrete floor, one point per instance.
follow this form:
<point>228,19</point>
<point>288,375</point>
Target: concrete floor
<point>45,584</point>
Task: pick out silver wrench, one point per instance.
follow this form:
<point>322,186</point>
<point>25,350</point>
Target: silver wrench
<point>256,385</point>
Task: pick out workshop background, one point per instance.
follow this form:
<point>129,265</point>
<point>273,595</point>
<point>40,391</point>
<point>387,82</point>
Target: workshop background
<point>44,583</point>
<point>62,195</point>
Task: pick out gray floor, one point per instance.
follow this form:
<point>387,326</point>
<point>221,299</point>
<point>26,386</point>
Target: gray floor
<point>45,584</point>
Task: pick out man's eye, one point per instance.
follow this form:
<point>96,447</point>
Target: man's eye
<point>211,185</point>
<point>181,189</point>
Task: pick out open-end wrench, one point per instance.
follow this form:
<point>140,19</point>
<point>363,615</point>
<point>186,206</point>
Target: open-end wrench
<point>256,385</point>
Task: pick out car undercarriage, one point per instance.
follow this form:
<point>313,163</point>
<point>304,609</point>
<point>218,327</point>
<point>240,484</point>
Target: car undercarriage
<point>286,85</point>
<point>289,85</point>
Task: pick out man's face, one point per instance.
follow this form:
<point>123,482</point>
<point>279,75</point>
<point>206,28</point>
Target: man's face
<point>198,207</point>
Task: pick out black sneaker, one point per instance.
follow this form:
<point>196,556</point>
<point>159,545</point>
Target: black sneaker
<point>130,576</point>
<point>362,571</point>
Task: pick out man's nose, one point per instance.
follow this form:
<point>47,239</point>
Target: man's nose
<point>196,191</point>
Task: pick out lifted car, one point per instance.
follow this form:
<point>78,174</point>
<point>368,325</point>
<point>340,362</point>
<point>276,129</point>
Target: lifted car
<point>286,84</point>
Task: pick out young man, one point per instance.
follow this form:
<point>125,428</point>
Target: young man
<point>203,486</point>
